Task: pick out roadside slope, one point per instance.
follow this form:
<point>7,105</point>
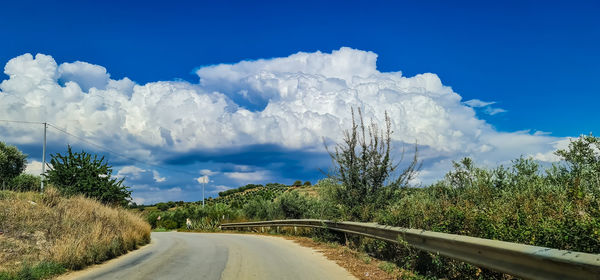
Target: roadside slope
<point>67,233</point>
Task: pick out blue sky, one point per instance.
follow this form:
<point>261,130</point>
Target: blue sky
<point>537,60</point>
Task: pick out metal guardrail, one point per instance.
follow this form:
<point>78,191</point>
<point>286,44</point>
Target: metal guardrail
<point>525,261</point>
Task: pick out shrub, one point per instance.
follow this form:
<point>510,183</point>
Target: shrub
<point>363,166</point>
<point>82,173</point>
<point>162,206</point>
<point>25,183</point>
<point>257,209</point>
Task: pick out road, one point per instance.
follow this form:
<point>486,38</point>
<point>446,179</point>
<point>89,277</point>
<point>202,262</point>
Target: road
<point>175,255</point>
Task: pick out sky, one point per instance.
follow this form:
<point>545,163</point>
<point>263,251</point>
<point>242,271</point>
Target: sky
<point>245,92</point>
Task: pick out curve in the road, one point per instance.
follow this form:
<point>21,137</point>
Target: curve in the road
<point>174,255</point>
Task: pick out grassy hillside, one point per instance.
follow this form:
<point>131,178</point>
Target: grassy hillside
<point>46,234</point>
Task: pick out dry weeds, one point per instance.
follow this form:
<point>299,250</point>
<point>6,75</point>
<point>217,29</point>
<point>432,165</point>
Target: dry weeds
<point>74,232</point>
<point>357,263</point>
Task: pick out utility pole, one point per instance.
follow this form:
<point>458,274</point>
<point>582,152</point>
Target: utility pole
<point>203,186</point>
<point>43,158</point>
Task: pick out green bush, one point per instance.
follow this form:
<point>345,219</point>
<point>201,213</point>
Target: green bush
<point>170,224</point>
<point>162,206</point>
<point>25,183</point>
<point>291,205</point>
<point>211,214</point>
<point>43,270</point>
<point>257,209</point>
<point>83,173</point>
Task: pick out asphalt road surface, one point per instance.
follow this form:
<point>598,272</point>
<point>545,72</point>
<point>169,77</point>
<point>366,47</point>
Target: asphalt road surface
<point>174,255</point>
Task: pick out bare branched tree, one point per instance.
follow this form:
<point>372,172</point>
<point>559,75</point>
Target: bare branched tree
<point>363,166</point>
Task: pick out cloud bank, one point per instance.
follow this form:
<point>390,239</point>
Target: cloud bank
<point>291,102</point>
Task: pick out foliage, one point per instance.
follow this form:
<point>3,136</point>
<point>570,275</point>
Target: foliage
<point>363,166</point>
<point>42,270</point>
<point>162,206</point>
<point>556,206</point>
<point>521,204</point>
<point>257,209</point>
<point>25,183</point>
<point>297,183</point>
<point>582,170</point>
<point>292,205</point>
<point>239,199</point>
<point>82,173</point>
<point>208,217</point>
<point>12,163</point>
<point>240,189</point>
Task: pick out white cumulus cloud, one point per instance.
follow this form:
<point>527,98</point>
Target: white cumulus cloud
<point>157,178</point>
<point>208,172</point>
<point>34,168</point>
<point>260,176</point>
<point>130,171</point>
<point>478,103</point>
<point>290,101</point>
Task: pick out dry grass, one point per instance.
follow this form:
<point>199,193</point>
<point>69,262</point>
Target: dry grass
<point>73,232</point>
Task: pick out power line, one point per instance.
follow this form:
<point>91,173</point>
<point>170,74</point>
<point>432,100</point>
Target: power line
<point>101,147</point>
<point>27,122</point>
<point>108,150</point>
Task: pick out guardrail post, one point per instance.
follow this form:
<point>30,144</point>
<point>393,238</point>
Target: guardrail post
<point>295,230</point>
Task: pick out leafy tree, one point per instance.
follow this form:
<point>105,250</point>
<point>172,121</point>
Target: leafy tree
<point>582,153</point>
<point>297,183</point>
<point>26,182</point>
<point>12,163</point>
<point>307,183</point>
<point>583,165</point>
<point>363,165</point>
<point>83,173</point>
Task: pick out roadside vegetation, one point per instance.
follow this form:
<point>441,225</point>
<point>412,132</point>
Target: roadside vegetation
<point>77,221</point>
<point>46,234</point>
<point>555,206</point>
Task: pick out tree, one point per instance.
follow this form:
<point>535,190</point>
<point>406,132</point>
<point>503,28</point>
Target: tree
<point>363,166</point>
<point>297,183</point>
<point>12,163</point>
<point>86,174</point>
<point>583,164</point>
